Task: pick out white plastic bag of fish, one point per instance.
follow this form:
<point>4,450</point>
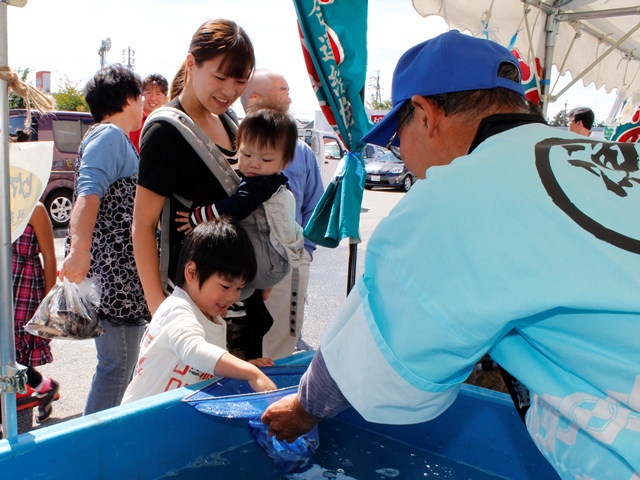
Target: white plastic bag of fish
<point>68,311</point>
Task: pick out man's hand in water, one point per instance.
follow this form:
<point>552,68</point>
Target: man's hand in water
<point>287,419</point>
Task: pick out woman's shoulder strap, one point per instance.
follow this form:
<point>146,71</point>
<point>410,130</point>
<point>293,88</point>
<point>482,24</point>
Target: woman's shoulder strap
<point>206,149</point>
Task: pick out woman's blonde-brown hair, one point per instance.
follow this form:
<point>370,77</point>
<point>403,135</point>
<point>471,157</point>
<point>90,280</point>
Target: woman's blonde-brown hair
<point>218,37</point>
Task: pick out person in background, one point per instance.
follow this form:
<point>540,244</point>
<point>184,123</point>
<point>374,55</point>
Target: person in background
<point>99,242</point>
<point>287,299</point>
<point>31,283</point>
<point>214,74</point>
<point>154,89</point>
<point>521,242</point>
<point>581,120</point>
<point>186,339</point>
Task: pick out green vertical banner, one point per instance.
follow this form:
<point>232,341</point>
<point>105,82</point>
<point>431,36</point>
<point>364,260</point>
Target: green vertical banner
<point>333,35</point>
<point>334,44</point>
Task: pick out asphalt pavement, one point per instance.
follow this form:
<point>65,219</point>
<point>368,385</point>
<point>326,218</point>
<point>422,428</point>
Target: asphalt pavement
<point>75,360</point>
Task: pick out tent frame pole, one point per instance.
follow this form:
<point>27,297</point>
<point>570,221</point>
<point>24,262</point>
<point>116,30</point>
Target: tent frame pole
<point>12,376</point>
<point>551,27</point>
<point>554,16</point>
<point>613,47</point>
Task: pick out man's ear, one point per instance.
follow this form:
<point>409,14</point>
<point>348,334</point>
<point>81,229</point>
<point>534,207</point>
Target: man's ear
<point>427,113</point>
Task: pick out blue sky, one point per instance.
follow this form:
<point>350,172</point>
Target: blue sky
<point>63,36</point>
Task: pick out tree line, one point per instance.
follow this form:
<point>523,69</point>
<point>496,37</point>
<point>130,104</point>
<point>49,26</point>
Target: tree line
<point>68,97</point>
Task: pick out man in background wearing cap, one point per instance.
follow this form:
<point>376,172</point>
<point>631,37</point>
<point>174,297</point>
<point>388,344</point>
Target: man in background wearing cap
<point>522,242</point>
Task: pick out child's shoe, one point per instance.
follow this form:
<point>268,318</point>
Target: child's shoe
<point>45,400</point>
<point>27,399</point>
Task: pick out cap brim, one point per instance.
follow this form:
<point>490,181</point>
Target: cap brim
<point>382,131</point>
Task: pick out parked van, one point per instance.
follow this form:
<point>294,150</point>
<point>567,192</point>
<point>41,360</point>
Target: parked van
<point>329,150</point>
<point>65,130</point>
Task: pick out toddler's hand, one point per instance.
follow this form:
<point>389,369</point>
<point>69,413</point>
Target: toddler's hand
<point>183,217</point>
<point>265,293</point>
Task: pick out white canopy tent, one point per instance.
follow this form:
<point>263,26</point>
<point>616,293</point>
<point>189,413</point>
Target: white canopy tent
<point>594,40</point>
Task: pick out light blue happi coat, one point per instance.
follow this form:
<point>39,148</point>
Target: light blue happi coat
<point>528,249</point>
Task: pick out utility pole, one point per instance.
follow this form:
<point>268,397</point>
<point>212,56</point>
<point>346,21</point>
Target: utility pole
<point>375,85</point>
<point>104,48</point>
<point>129,57</point>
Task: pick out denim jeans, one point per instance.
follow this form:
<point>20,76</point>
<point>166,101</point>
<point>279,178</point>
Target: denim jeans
<point>117,351</point>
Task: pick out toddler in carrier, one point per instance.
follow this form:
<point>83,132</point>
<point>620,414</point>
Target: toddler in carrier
<point>262,204</point>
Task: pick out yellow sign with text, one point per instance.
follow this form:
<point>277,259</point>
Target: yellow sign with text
<point>29,170</point>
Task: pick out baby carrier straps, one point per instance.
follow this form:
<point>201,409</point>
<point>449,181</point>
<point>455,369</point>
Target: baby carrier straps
<point>271,266</point>
<point>212,157</point>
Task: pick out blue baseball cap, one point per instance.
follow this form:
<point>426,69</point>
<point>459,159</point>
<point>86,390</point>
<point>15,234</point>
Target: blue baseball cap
<point>450,62</point>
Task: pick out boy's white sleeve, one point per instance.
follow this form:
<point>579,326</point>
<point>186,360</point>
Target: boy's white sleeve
<point>193,343</point>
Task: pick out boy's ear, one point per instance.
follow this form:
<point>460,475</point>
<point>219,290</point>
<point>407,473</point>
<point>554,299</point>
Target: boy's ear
<point>191,273</point>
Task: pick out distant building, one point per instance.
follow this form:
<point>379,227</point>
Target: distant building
<point>43,81</point>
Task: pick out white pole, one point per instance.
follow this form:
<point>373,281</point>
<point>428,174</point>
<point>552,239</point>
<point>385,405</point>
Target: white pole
<point>8,375</point>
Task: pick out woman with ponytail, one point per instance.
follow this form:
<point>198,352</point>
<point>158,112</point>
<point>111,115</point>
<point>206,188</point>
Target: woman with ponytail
<point>212,77</point>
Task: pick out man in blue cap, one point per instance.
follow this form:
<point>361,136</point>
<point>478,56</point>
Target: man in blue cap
<point>522,242</point>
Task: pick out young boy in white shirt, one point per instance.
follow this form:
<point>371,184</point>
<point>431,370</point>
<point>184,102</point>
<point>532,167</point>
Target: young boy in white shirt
<point>186,339</point>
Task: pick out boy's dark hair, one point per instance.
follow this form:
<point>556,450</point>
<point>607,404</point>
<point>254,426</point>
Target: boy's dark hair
<point>219,247</point>
<point>584,115</point>
<point>270,128</point>
<point>109,90</point>
<point>156,79</point>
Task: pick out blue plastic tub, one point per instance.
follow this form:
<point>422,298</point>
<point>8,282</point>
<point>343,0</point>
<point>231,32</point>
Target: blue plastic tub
<point>480,436</point>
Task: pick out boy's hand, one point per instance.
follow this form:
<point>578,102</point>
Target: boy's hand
<point>183,217</point>
<point>265,293</point>
<point>231,366</point>
<point>262,383</point>
<point>262,362</point>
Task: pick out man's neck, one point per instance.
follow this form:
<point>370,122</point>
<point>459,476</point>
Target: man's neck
<point>467,129</point>
<point>498,123</point>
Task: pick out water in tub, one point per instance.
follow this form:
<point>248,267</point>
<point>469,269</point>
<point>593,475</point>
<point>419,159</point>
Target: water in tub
<point>345,453</point>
